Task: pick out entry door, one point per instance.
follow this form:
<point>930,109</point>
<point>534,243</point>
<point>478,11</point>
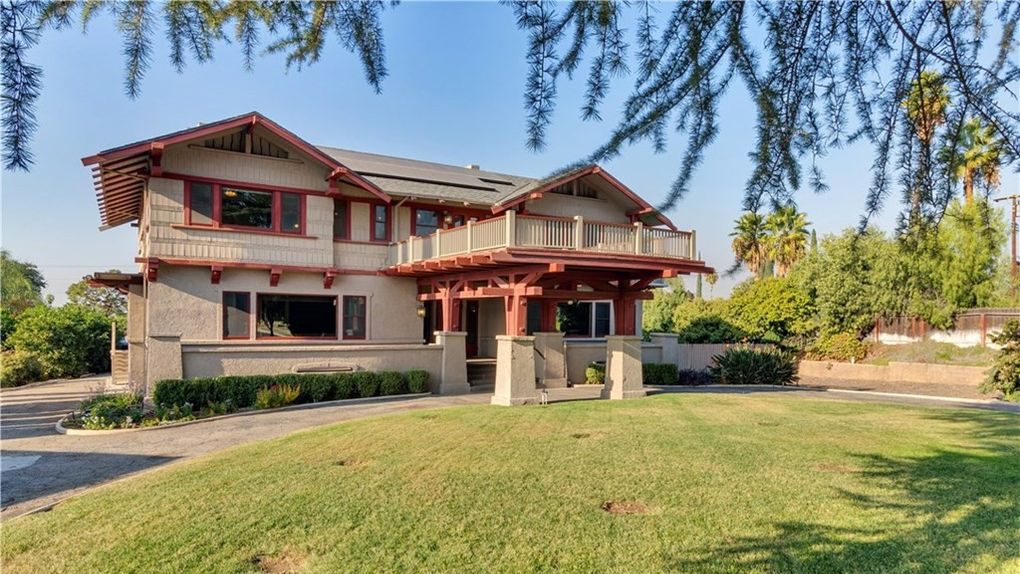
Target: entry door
<point>471,326</point>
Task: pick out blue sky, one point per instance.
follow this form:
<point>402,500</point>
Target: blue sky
<point>454,95</point>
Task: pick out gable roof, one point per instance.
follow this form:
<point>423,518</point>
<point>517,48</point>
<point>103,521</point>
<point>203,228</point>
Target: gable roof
<point>119,174</point>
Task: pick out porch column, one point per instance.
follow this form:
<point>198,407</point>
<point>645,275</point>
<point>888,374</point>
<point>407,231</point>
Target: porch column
<point>516,314</point>
<point>136,338</point>
<point>453,372</point>
<point>623,368</point>
<point>550,360</point>
<point>548,315</point>
<point>515,371</point>
<point>626,315</point>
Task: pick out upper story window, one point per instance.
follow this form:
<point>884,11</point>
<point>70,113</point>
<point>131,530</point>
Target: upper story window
<point>426,222</point>
<point>380,222</point>
<point>576,188</point>
<point>225,206</point>
<point>341,222</point>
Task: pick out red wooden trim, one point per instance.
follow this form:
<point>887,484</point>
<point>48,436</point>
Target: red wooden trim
<point>260,266</point>
<point>216,271</point>
<point>327,279</point>
<point>151,269</point>
<point>156,154</point>
<point>274,276</point>
<point>356,242</point>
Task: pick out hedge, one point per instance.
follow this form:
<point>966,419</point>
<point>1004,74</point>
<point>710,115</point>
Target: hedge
<point>659,374</point>
<point>240,391</point>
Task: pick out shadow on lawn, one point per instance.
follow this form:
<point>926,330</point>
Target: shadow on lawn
<point>955,510</point>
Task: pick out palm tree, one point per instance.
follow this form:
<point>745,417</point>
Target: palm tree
<point>979,157</point>
<point>749,241</point>
<point>787,237</point>
<point>925,105</point>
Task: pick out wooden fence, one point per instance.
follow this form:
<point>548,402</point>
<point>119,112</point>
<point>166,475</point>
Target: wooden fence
<point>970,328</point>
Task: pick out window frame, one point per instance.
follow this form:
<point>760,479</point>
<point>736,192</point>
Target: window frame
<point>217,208</point>
<point>592,319</point>
<point>223,316</point>
<point>258,313</point>
<point>414,219</point>
<point>347,219</point>
<point>343,315</point>
<point>372,206</point>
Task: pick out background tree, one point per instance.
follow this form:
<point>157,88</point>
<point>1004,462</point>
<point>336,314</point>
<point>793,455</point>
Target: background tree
<point>976,158</point>
<point>787,237</point>
<point>972,236</point>
<point>749,242</point>
<point>711,279</point>
<point>108,301</point>
<point>925,107</point>
<point>21,284</point>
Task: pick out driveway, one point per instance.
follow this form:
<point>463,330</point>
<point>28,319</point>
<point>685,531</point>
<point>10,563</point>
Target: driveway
<point>41,467</point>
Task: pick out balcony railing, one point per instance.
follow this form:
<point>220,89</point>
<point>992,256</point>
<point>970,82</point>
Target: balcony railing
<point>512,230</point>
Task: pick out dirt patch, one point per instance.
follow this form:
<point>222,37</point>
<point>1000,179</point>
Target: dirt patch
<point>767,424</point>
<point>834,467</point>
<point>350,462</point>
<point>580,435</point>
<point>428,416</point>
<point>287,562</point>
<point>624,507</point>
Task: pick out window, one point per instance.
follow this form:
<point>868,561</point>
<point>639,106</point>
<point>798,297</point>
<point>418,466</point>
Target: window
<point>201,203</point>
<point>246,208</point>
<point>218,205</point>
<point>380,222</point>
<point>340,230</point>
<point>303,316</point>
<point>236,315</point>
<point>290,213</point>
<point>426,222</point>
<point>355,315</point>
<point>585,318</point>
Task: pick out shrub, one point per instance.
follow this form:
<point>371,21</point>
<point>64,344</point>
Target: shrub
<point>20,368</point>
<point>711,329</point>
<point>839,347</point>
<point>418,381</point>
<point>693,377</point>
<point>392,383</point>
<point>745,366</point>
<point>69,341</point>
<point>104,412</point>
<point>595,374</point>
<point>276,396</point>
<point>659,374</point>
<point>366,383</point>
<point>344,387</point>
<point>1005,374</point>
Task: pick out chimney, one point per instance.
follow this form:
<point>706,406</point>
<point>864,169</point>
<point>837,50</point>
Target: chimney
<point>473,166</point>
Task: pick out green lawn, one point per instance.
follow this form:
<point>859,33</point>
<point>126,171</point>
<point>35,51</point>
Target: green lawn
<point>730,483</point>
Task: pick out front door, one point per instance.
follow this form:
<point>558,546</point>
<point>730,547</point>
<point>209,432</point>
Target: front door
<point>471,326</point>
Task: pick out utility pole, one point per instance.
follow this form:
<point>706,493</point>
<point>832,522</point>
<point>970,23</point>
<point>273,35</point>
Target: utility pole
<point>1013,229</point>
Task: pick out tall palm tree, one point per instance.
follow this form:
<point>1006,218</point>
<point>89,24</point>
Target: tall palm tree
<point>787,237</point>
<point>925,106</point>
<point>979,158</point>
<point>749,241</point>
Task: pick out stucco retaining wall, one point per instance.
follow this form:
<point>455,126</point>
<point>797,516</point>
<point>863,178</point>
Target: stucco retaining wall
<point>579,354</point>
<point>894,372</point>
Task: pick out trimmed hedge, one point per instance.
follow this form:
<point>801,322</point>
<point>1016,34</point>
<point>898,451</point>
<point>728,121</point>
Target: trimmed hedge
<point>659,374</point>
<point>241,391</point>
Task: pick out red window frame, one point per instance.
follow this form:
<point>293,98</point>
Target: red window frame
<point>443,210</point>
<point>223,329</point>
<point>343,318</point>
<point>372,206</point>
<point>258,311</point>
<point>217,201</point>
<point>347,216</point>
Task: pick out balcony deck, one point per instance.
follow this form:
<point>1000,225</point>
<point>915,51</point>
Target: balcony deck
<point>513,238</point>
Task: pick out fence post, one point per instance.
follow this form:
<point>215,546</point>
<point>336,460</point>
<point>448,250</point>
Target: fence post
<point>437,243</point>
<point>470,234</point>
<point>578,232</point>
<point>692,254</point>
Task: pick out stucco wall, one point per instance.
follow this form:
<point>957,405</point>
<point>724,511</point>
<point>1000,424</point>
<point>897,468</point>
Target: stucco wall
<point>184,302</point>
<point>213,360</point>
<point>491,322</point>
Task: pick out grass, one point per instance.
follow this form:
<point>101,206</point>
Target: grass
<point>931,352</point>
<point>695,483</point>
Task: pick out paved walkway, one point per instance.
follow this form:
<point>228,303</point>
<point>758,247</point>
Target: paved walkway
<point>41,467</point>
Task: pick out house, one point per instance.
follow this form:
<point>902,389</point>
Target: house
<point>261,253</point>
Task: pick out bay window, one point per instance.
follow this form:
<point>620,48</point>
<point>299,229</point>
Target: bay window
<point>226,206</point>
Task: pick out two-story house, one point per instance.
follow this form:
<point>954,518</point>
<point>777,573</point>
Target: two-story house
<point>261,253</point>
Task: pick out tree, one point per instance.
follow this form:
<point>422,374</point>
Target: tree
<point>657,314</point>
<point>977,157</point>
<point>925,107</point>
<point>21,283</point>
<point>711,279</point>
<point>106,300</point>
<point>69,341</point>
<point>749,242</point>
<point>972,236</point>
<point>787,237</point>
<point>770,309</point>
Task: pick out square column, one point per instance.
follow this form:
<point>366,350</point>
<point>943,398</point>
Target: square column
<point>552,370</point>
<point>515,371</point>
<point>623,368</point>
<point>453,373</point>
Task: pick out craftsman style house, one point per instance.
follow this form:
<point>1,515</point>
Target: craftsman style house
<point>261,253</point>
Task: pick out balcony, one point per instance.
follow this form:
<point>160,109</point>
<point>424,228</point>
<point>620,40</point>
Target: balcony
<point>575,236</point>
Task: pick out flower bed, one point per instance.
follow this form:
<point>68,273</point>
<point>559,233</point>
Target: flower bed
<point>179,400</point>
